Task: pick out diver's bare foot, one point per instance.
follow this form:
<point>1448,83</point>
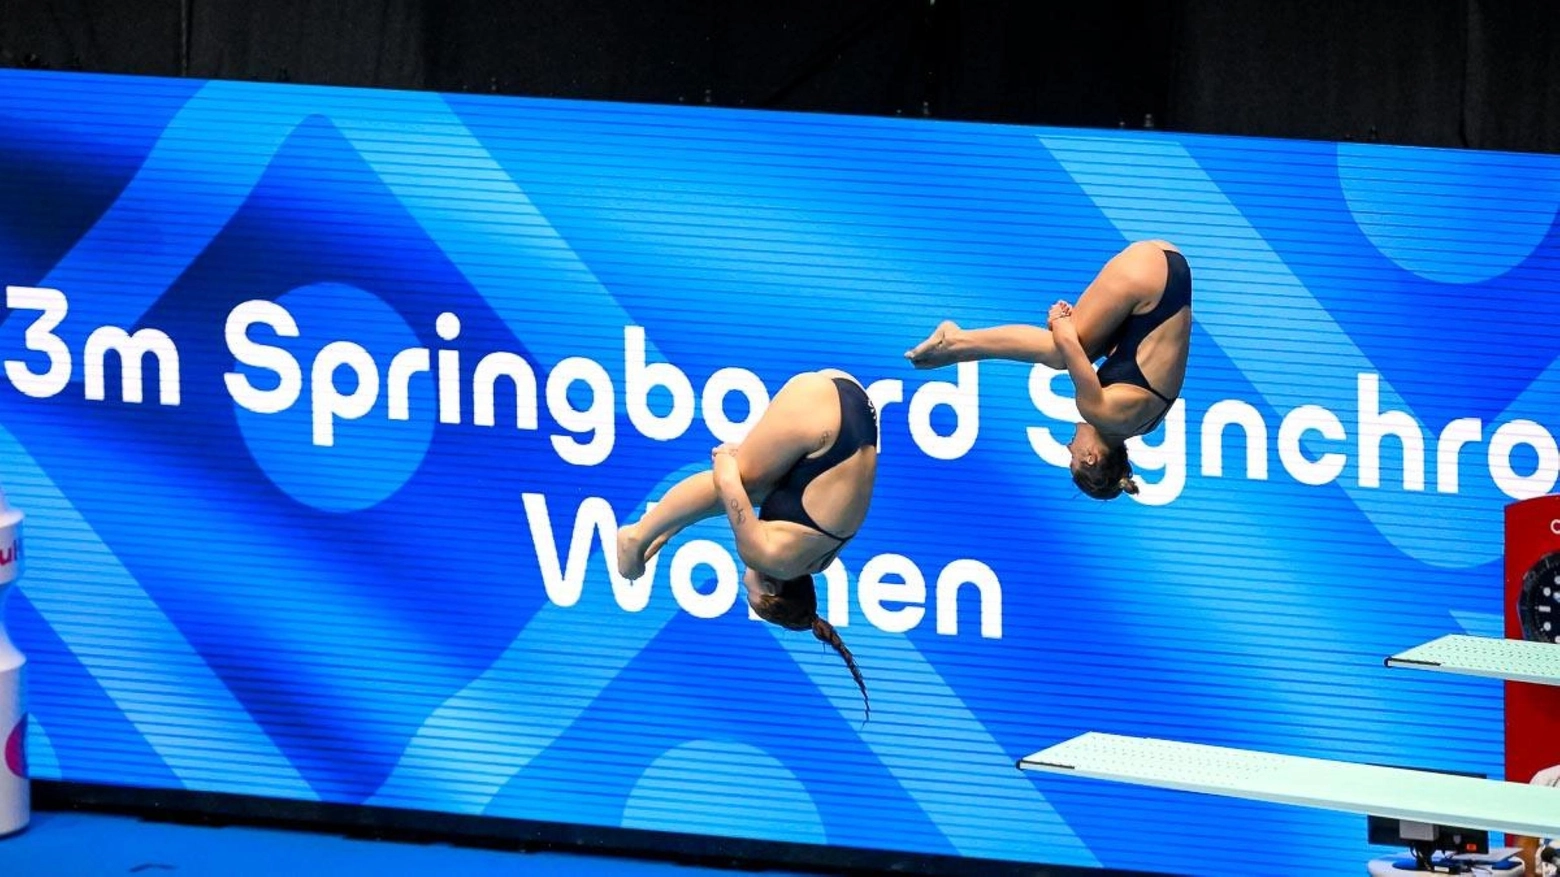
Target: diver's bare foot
<point>630,552</point>
<point>937,350</point>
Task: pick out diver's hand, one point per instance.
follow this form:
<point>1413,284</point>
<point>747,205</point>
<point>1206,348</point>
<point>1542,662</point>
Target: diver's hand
<point>728,474</point>
<point>1059,311</point>
<point>937,350</point>
<point>1063,330</point>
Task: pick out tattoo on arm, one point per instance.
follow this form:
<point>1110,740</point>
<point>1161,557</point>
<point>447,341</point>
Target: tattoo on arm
<point>737,514</point>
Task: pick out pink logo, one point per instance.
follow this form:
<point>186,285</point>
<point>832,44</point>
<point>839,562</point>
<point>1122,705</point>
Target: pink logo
<point>9,554</point>
<point>16,750</point>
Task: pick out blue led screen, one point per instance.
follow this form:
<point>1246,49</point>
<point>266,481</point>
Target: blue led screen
<point>320,404</point>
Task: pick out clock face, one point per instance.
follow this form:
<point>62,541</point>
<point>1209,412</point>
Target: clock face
<point>1538,606</point>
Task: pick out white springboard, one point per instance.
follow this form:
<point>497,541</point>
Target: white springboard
<point>1515,659</point>
<point>1443,799</point>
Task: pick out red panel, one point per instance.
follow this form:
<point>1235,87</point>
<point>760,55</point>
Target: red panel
<point>1532,711</point>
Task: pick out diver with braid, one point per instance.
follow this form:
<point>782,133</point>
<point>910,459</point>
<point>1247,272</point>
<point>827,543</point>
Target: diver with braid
<point>809,465</point>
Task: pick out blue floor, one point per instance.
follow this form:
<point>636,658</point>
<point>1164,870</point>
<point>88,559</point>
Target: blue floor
<point>96,845</point>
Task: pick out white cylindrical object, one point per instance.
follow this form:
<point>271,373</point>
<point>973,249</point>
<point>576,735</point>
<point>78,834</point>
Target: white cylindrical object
<point>15,797</point>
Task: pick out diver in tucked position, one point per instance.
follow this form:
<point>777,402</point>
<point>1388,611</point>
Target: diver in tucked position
<point>809,464</point>
<point>1138,315</point>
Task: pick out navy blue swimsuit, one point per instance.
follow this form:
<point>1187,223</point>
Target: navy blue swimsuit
<point>858,429</point>
<point>1121,367</point>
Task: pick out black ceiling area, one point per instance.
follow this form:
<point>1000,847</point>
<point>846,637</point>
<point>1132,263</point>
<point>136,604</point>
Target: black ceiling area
<point>1476,74</point>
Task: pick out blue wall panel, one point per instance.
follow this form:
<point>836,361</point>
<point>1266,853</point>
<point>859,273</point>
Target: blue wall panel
<point>238,580</point>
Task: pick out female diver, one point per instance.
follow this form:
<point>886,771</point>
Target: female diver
<point>1138,315</point>
<point>809,464</point>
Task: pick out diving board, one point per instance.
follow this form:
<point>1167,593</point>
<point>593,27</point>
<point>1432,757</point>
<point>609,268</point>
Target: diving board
<point>1442,799</point>
<point>1516,659</point>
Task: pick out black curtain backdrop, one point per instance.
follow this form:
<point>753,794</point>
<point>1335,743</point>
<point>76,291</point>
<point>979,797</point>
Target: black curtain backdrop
<point>375,43</point>
<point>1369,70</point>
<point>104,36</point>
<point>1513,93</point>
<point>843,56</point>
<point>1465,73</point>
<point>1100,64</point>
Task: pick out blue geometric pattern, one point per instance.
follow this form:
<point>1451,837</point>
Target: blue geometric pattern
<point>431,350</point>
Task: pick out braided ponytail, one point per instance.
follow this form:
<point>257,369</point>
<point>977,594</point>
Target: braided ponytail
<point>794,606</point>
<point>826,633</point>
